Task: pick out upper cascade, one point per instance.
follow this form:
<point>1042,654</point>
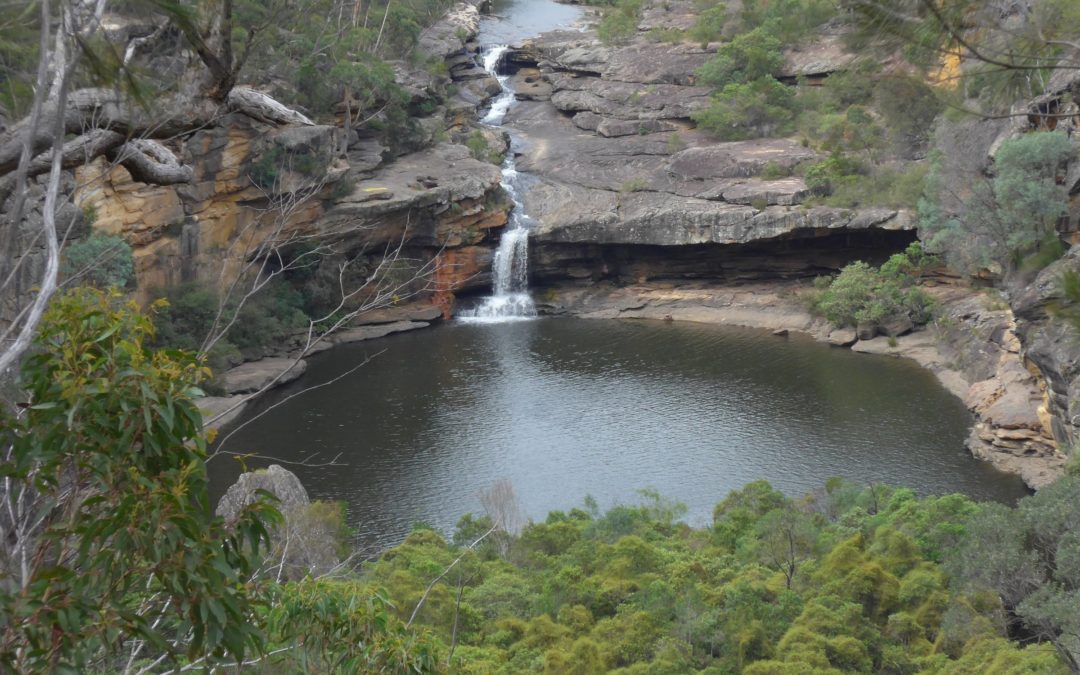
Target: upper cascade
<point>510,299</point>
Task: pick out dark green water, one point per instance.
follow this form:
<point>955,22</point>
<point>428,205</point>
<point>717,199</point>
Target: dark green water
<point>569,408</point>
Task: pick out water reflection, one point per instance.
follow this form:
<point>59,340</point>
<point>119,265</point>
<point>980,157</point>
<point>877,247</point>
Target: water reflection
<point>509,22</point>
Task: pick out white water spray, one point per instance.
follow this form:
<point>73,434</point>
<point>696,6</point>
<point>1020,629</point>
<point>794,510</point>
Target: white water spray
<point>509,300</point>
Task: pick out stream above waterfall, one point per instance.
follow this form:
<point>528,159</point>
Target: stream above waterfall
<point>566,408</point>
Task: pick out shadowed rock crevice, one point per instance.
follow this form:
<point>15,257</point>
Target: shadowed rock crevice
<point>806,254</point>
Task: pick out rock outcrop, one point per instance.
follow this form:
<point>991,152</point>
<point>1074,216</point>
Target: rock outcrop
<point>1052,347</point>
<point>619,161</point>
<point>278,481</point>
<point>309,540</point>
<point>258,182</point>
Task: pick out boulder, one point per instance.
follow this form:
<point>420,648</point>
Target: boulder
<point>897,326</point>
<point>866,330</point>
<point>309,541</point>
<point>276,480</point>
<point>447,36</point>
<point>842,337</point>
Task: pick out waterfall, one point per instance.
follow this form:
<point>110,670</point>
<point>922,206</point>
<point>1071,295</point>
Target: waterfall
<point>509,299</point>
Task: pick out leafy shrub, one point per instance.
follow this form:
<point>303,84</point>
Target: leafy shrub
<point>265,170</point>
<point>101,260</point>
<point>266,320</point>
<point>619,22</point>
<point>831,173</point>
<point>740,111</point>
<point>675,143</point>
<point>710,23</point>
<point>790,20</point>
<point>895,187</point>
<point>749,57</point>
<point>348,627</point>
<point>670,35</point>
<point>854,131</point>
<point>1005,219</point>
<point>908,107</point>
<point>773,171</point>
<point>863,293</point>
<point>118,421</point>
<point>480,149</point>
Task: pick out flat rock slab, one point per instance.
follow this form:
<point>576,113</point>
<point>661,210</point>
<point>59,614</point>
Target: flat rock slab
<point>825,54</point>
<point>212,406</point>
<point>422,311</point>
<point>431,179</point>
<point>361,333</point>
<point>254,376</point>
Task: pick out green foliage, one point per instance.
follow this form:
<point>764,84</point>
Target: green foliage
<point>112,444</point>
<point>710,24</point>
<point>832,173</point>
<point>842,581</point>
<point>908,108</point>
<point>898,187</point>
<point>620,21</point>
<point>347,628</point>
<point>19,49</point>
<point>749,102</point>
<point>854,131</point>
<point>862,293</point>
<point>1009,55</point>
<point>1030,558</point>
<point>266,320</point>
<point>763,107</point>
<point>1067,307</point>
<point>845,580</point>
<point>675,143</point>
<point>480,149</point>
<point>747,58</point>
<point>265,171</point>
<point>789,20</point>
<point>1006,219</point>
<point>774,171</point>
<point>101,260</point>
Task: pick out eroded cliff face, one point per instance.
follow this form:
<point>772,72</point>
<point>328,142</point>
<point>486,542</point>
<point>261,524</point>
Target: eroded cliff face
<point>259,186</point>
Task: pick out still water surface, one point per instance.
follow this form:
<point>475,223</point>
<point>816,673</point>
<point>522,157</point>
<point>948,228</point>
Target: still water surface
<point>567,408</point>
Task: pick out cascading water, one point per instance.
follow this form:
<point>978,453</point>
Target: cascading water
<point>509,299</point>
